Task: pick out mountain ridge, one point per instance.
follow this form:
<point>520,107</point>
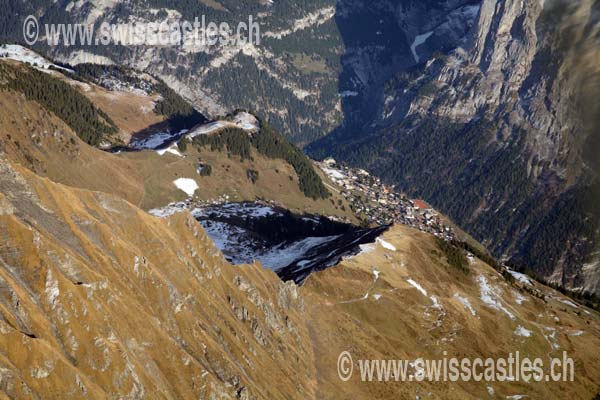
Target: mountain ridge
<point>103,300</point>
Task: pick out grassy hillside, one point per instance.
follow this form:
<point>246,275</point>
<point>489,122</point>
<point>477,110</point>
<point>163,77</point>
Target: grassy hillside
<point>111,303</point>
<point>169,104</point>
<point>33,136</point>
<point>272,145</point>
<point>98,288</point>
<point>383,316</point>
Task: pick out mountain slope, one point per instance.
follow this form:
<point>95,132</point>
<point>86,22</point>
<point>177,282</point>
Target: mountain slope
<point>498,86</point>
<point>496,135</point>
<point>403,300</point>
<point>316,59</point>
<point>102,300</point>
<point>33,136</point>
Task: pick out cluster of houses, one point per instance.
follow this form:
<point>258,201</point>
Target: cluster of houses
<point>381,204</point>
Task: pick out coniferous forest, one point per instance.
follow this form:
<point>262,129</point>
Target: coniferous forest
<point>272,145</point>
<point>91,124</point>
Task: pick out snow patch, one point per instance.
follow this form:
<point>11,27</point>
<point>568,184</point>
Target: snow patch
<point>156,141</point>
<point>466,303</point>
<point>419,40</point>
<point>567,302</point>
<point>52,290</point>
<point>24,55</point>
<point>490,296</point>
<point>170,150</point>
<point>551,337</point>
<point>418,287</point>
<point>386,245</point>
<point>189,186</point>
<point>519,298</point>
<point>366,248</point>
<point>521,278</point>
<point>206,129</point>
<point>241,120</point>
<point>245,210</point>
<point>521,331</point>
<point>169,210</point>
<point>285,255</point>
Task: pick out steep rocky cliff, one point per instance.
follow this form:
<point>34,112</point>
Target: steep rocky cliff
<point>315,60</point>
<point>499,134</point>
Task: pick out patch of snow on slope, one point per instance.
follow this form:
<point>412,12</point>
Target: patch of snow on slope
<point>251,210</point>
<point>52,290</point>
<point>519,298</point>
<point>435,303</point>
<point>491,298</point>
<point>366,248</point>
<point>521,278</point>
<point>206,129</point>
<point>240,247</point>
<point>226,236</point>
<point>286,254</point>
<point>241,120</point>
<point>189,186</point>
<point>418,287</point>
<point>419,40</point>
<point>376,296</point>
<point>520,331</point>
<point>551,337</point>
<point>171,150</point>
<point>567,302</point>
<point>169,210</point>
<point>22,54</point>
<point>386,245</point>
<point>156,140</point>
<point>466,303</point>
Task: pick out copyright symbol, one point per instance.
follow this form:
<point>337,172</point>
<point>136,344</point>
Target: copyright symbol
<point>30,30</point>
<point>345,366</point>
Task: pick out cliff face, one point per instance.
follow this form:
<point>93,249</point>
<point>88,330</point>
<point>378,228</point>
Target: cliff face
<point>311,59</point>
<point>495,134</point>
<point>383,37</point>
